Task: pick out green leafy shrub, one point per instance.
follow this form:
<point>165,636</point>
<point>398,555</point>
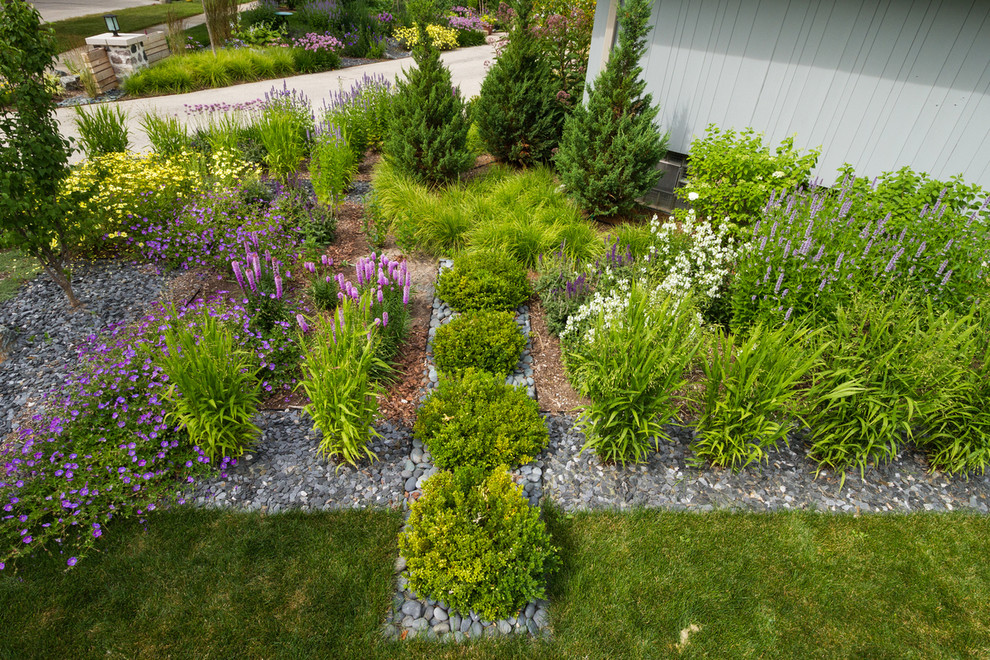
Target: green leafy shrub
<point>212,387</point>
<point>891,368</point>
<point>473,541</point>
<point>333,165</point>
<point>731,175</point>
<point>488,340</point>
<point>610,147</point>
<point>484,280</point>
<point>517,113</point>
<point>343,397</point>
<point>475,419</point>
<point>749,394</point>
<point>283,137</point>
<point>630,367</point>
<point>103,130</point>
<point>428,129</point>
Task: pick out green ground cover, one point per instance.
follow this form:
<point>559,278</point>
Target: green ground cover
<point>211,584</point>
<point>15,268</point>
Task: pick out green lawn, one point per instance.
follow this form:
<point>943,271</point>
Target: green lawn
<point>793,585</point>
<point>73,31</point>
<point>15,267</point>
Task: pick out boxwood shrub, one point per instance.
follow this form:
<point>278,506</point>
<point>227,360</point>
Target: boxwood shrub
<point>473,541</point>
<point>477,420</point>
<point>484,280</point>
<point>490,341</point>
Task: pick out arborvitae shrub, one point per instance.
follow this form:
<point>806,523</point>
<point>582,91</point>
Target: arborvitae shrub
<point>473,541</point>
<point>478,420</point>
<point>611,146</point>
<point>427,137</point>
<point>484,280</point>
<point>518,115</point>
<point>486,340</point>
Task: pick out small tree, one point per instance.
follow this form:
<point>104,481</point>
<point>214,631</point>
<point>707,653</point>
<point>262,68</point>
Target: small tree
<point>611,146</point>
<point>33,155</point>
<point>427,137</point>
<point>518,115</point>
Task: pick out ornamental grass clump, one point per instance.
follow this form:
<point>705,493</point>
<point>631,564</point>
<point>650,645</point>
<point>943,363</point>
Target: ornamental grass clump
<point>474,542</point>
<point>631,365</point>
<point>476,420</point>
<point>486,340</point>
<point>102,130</point>
<point>484,281</point>
<point>750,402</point>
<point>212,387</point>
<point>338,363</point>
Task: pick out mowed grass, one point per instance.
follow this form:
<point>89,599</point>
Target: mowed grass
<point>791,585</point>
<point>15,268</point>
<point>209,584</point>
<point>786,585</point>
<point>73,31</point>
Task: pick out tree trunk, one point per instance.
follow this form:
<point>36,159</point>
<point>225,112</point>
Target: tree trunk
<point>58,275</point>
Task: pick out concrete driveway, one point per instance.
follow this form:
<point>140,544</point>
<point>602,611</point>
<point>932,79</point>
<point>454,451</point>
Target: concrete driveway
<point>57,10</point>
<point>467,68</point>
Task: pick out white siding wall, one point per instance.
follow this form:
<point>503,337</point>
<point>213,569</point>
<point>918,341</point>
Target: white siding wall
<point>876,83</point>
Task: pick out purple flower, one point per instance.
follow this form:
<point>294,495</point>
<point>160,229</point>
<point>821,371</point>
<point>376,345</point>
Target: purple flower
<point>302,323</point>
<point>72,561</point>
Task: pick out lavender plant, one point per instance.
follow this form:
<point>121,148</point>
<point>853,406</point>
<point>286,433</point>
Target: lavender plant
<point>261,280</point>
<point>809,254</point>
<point>323,287</point>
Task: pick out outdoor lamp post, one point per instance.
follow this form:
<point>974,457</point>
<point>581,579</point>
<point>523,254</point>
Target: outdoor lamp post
<point>112,24</point>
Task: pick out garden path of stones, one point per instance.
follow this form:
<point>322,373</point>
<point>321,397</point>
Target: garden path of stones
<point>412,615</point>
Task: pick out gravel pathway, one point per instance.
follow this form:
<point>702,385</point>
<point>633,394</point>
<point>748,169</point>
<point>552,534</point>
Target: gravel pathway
<point>45,329</point>
<point>285,470</point>
<point>412,615</point>
<point>786,481</point>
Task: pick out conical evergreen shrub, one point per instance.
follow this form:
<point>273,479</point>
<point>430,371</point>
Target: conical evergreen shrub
<point>518,115</point>
<point>611,145</point>
<point>428,129</point>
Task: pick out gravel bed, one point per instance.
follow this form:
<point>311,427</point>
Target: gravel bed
<point>419,616</point>
<point>45,330</point>
<point>286,471</point>
<point>786,481</point>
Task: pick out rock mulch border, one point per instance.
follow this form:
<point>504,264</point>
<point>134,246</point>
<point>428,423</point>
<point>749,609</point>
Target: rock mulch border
<point>578,481</point>
<point>411,615</point>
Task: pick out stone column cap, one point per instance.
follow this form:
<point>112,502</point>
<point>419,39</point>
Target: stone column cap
<point>107,39</point>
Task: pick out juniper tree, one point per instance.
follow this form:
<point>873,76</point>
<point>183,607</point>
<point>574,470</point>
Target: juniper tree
<point>427,136</point>
<point>518,115</point>
<point>33,155</point>
<point>611,145</point>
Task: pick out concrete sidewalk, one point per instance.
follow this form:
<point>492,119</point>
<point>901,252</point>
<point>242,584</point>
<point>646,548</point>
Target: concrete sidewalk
<point>467,68</point>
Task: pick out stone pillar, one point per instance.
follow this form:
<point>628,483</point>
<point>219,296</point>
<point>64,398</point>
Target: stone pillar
<point>126,52</point>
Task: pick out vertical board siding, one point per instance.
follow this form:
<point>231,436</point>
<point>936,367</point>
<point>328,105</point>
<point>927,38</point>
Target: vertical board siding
<point>877,83</point>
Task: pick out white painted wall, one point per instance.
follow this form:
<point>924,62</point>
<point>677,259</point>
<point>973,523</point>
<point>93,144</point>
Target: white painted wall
<point>876,83</point>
